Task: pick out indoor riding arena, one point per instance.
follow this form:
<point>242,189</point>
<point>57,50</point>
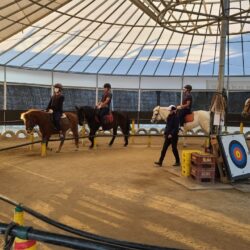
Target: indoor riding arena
<point>92,92</point>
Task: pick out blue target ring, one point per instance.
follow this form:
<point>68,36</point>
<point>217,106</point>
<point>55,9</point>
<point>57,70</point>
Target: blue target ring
<point>237,154</point>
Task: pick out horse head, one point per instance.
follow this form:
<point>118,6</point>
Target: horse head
<point>246,109</point>
<point>85,113</point>
<point>159,114</point>
<point>29,121</point>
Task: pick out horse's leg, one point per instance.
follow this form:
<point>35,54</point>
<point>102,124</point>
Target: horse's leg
<point>184,139</point>
<point>126,139</point>
<point>114,135</point>
<point>125,132</point>
<point>61,141</point>
<point>91,137</point>
<point>46,140</point>
<point>76,136</point>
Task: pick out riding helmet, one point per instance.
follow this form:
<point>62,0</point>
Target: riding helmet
<point>58,85</point>
<point>188,87</point>
<point>107,85</point>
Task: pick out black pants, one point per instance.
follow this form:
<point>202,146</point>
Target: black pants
<point>167,142</point>
<point>182,113</point>
<point>102,113</point>
<point>56,120</point>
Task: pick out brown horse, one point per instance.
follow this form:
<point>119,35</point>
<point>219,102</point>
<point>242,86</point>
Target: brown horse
<point>43,119</point>
<point>246,110</point>
<point>119,119</point>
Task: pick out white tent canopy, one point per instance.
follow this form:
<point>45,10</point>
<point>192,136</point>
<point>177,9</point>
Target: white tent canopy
<point>116,37</point>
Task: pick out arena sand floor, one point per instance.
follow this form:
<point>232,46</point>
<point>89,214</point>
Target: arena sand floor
<point>118,192</point>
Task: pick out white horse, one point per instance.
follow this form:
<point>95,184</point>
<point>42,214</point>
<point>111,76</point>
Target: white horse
<point>201,118</point>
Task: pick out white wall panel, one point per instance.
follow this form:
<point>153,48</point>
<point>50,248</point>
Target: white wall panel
<point>1,74</point>
<point>28,76</point>
<point>75,80</point>
<point>119,81</point>
<point>161,83</point>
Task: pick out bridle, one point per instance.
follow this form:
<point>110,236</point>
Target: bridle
<point>158,114</point>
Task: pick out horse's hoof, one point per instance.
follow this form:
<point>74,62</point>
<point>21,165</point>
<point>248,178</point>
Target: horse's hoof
<point>125,145</point>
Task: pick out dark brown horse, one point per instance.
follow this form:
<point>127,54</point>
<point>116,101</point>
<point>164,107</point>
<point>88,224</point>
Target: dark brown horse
<point>43,119</point>
<point>119,120</point>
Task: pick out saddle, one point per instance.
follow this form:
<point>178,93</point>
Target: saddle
<point>189,117</point>
<point>107,119</point>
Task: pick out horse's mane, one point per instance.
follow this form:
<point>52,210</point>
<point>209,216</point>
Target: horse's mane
<point>87,108</point>
<point>22,117</point>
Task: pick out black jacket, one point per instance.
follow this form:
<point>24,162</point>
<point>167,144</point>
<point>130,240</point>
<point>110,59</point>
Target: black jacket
<point>172,126</point>
<point>56,103</point>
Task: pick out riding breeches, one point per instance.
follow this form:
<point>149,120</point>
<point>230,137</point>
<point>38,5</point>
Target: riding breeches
<point>56,120</point>
<point>182,113</point>
<point>102,113</point>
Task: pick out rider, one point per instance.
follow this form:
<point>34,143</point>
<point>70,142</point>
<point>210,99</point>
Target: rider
<point>55,107</point>
<point>186,105</point>
<point>104,105</point>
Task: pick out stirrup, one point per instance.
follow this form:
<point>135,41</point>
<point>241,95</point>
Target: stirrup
<point>61,136</point>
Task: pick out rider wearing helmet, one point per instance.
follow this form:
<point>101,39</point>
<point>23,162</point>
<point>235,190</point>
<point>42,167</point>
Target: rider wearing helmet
<point>186,105</point>
<point>55,106</point>
<point>104,105</point>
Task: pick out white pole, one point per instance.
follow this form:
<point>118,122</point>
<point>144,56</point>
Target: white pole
<point>224,31</point>
<point>4,98</point>
<point>96,90</point>
<point>139,102</point>
<point>52,83</point>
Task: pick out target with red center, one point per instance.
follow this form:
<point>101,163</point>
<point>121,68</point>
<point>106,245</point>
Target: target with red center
<point>237,154</point>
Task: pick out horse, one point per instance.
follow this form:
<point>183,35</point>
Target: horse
<point>119,119</point>
<point>200,118</point>
<point>44,120</point>
<point>246,109</point>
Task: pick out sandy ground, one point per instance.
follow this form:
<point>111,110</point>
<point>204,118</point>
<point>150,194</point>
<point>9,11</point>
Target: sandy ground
<point>118,192</point>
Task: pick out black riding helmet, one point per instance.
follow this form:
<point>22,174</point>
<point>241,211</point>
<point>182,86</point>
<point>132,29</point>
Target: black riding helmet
<point>107,85</point>
<point>188,87</point>
<point>59,86</point>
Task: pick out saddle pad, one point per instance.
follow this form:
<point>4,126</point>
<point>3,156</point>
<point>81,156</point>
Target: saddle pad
<point>189,117</point>
<point>108,118</point>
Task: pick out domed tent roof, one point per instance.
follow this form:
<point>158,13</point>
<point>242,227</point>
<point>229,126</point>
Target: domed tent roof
<point>121,37</point>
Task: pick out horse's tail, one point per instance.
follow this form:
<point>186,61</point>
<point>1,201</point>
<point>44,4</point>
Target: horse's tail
<point>73,119</point>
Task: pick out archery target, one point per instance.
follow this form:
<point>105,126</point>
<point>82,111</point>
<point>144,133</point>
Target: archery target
<point>236,155</point>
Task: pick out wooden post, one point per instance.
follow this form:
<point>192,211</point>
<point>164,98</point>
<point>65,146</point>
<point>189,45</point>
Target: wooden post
<point>241,127</point>
<point>32,140</point>
<point>133,131</point>
<point>43,149</point>
<point>83,134</point>
<point>20,243</point>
